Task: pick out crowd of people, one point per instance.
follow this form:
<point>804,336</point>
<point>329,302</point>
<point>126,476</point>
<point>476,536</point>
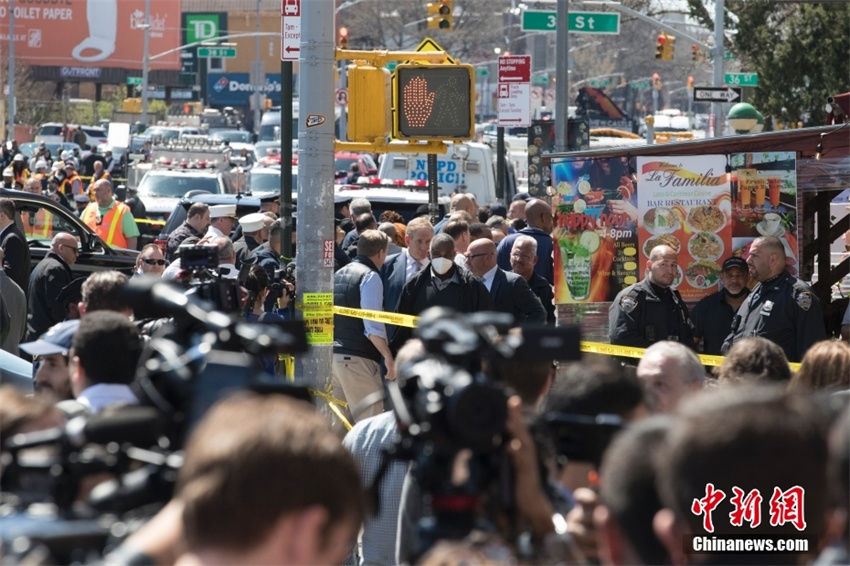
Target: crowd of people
<point>751,451</point>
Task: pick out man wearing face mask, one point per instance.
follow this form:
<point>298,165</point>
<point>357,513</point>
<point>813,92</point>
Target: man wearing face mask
<point>442,284</point>
<point>712,316</point>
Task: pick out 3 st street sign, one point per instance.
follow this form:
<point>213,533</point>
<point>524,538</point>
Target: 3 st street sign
<point>577,22</point>
<point>716,94</point>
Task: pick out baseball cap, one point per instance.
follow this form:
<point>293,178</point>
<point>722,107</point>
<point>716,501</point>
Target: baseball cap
<point>57,340</point>
<point>735,262</point>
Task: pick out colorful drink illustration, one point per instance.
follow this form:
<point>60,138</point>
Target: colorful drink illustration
<point>576,252</point>
<point>774,183</point>
<point>760,192</point>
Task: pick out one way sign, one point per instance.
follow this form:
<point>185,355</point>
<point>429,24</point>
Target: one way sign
<point>716,94</point>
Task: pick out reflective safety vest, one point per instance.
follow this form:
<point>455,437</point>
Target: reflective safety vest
<point>110,227</point>
<point>38,225</point>
<point>22,176</point>
<point>72,186</point>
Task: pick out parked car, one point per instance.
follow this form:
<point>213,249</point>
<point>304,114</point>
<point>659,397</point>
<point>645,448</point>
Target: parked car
<point>52,132</point>
<point>56,148</point>
<point>40,218</point>
<point>231,135</point>
<point>266,180</point>
<point>160,189</point>
<point>344,159</point>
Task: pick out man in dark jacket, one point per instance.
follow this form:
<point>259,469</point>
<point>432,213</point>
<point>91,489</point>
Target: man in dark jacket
<point>540,221</point>
<point>523,259</point>
<point>16,262</point>
<point>510,292</point>
<point>46,281</point>
<point>442,284</point>
<point>196,223</point>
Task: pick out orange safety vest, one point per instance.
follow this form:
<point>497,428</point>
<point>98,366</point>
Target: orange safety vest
<point>39,225</point>
<point>22,177</point>
<point>110,228</point>
<point>67,186</point>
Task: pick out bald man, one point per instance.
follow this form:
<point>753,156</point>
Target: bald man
<point>538,216</point>
<point>651,310</point>
<point>510,291</point>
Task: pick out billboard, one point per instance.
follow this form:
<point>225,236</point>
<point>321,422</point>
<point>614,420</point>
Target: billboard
<point>93,33</point>
<point>235,89</point>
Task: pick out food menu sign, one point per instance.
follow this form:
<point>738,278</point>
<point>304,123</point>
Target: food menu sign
<point>595,231</point>
<point>684,202</point>
<point>764,201</point>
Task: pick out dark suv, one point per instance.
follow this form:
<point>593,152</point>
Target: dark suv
<point>40,218</point>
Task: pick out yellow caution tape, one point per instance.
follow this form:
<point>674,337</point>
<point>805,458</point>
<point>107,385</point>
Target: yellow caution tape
<point>334,405</point>
<point>592,347</point>
<point>407,320</point>
<point>149,221</point>
<point>634,352</point>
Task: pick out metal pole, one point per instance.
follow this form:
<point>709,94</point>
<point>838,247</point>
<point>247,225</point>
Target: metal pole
<point>146,62</point>
<point>315,178</point>
<point>716,107</point>
<point>10,133</point>
<point>258,74</point>
<point>286,156</point>
<point>562,76</point>
<point>433,189</point>
<point>500,162</point>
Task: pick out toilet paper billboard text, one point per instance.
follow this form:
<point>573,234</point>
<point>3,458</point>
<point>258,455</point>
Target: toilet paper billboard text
<point>93,33</point>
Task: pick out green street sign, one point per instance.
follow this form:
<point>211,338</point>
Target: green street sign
<point>134,80</point>
<point>391,65</point>
<point>741,79</point>
<point>222,52</point>
<point>577,22</point>
<point>599,82</point>
<point>481,72</point>
<point>640,85</point>
<point>541,80</point>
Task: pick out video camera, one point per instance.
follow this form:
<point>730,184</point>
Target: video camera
<point>451,408</point>
<point>206,280</point>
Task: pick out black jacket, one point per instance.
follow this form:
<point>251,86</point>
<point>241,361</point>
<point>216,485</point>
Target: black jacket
<point>16,261</point>
<point>643,314</point>
<point>511,294</point>
<point>176,238</point>
<point>543,290</point>
<point>46,280</point>
<point>349,335</point>
<point>784,310</point>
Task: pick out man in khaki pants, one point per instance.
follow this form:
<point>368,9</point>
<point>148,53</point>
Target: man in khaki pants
<point>359,344</point>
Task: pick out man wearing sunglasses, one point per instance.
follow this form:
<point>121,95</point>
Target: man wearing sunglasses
<point>151,261</point>
<point>46,281</point>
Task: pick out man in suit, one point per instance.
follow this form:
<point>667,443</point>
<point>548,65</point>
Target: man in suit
<point>443,284</point>
<point>510,292</point>
<point>523,260</point>
<point>13,312</point>
<point>540,221</point>
<point>46,281</point>
<point>399,268</point>
<point>16,262</point>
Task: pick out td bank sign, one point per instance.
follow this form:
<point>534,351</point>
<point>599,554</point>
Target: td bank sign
<point>202,27</point>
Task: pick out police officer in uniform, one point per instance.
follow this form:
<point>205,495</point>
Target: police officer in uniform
<point>781,308</point>
<point>649,310</point>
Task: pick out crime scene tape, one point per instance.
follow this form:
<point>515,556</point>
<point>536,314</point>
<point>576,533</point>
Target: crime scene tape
<point>334,404</point>
<point>590,347</point>
<point>407,320</point>
<point>149,221</point>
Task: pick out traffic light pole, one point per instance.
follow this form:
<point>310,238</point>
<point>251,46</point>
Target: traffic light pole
<point>562,76</point>
<point>718,65</point>
<point>314,270</point>
<point>286,157</point>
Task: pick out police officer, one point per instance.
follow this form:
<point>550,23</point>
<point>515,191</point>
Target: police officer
<point>781,308</point>
<point>650,310</point>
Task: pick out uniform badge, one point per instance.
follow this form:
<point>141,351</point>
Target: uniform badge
<point>804,300</point>
<point>628,304</point>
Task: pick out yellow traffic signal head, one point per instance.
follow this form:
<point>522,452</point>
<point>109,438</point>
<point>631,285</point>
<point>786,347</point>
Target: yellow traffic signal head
<point>369,98</point>
<point>659,45</point>
<point>434,102</point>
<point>440,14</point>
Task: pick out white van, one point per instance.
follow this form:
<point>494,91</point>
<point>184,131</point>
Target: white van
<point>465,168</point>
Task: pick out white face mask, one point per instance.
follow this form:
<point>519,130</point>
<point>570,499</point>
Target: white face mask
<point>441,265</point>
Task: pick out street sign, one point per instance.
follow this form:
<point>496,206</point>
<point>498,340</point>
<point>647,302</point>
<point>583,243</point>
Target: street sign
<point>741,79</point>
<point>429,44</point>
<point>596,83</point>
<point>514,90</point>
<point>341,96</point>
<point>515,69</point>
<point>716,94</point>
<point>577,22</point>
<point>480,72</point>
<point>134,80</point>
<point>221,52</point>
<point>290,30</point>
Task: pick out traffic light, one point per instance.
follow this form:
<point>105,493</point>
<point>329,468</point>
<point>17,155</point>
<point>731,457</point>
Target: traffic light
<point>369,96</point>
<point>669,46</point>
<point>440,14</point>
<point>659,45</point>
<point>342,38</point>
<point>434,102</point>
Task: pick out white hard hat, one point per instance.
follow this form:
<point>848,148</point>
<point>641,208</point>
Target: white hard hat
<point>41,164</point>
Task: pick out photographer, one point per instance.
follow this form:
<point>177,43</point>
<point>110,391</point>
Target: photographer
<point>267,256</point>
<point>257,285</point>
